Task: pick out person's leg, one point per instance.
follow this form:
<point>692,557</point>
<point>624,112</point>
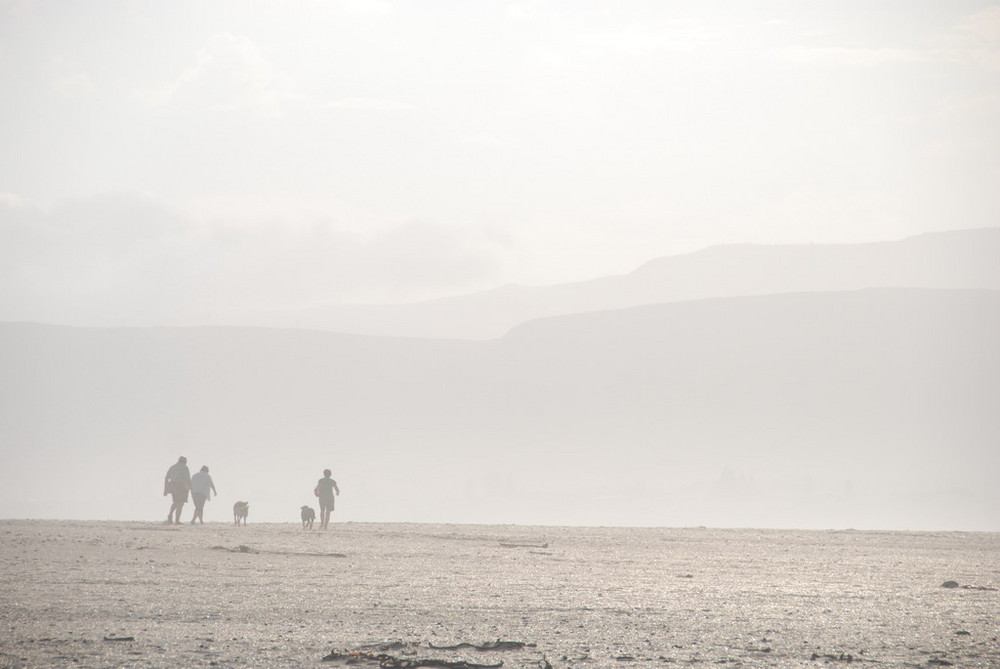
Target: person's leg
<point>174,516</point>
<point>199,507</point>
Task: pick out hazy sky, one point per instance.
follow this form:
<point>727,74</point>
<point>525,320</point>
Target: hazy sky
<point>163,162</point>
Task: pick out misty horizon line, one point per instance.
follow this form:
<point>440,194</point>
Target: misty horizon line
<point>554,526</point>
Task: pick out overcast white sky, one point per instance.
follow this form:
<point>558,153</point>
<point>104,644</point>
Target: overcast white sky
<point>163,162</point>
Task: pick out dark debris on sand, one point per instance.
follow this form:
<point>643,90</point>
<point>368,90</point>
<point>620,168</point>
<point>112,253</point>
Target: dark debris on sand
<point>386,661</point>
<point>489,645</point>
<point>378,655</point>
<point>955,584</point>
<point>839,657</point>
<point>254,551</point>
<point>238,549</point>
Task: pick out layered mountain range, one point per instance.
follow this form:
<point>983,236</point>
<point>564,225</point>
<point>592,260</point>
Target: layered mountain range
<point>962,259</point>
<point>821,391</point>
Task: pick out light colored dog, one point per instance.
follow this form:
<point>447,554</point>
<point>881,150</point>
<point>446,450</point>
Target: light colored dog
<point>308,516</point>
<point>240,511</point>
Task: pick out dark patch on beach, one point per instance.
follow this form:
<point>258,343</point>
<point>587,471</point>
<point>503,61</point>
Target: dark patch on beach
<point>955,584</point>
<point>378,654</point>
<point>391,645</point>
<point>253,551</point>
<point>839,657</point>
<point>238,549</point>
<point>509,544</point>
<point>386,661</point>
<point>489,645</point>
<point>332,555</point>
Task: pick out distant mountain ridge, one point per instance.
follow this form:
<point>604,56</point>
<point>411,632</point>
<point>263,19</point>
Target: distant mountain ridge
<point>873,408</point>
<point>962,259</point>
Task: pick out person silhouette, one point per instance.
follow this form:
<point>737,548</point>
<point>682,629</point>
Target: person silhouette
<point>326,490</point>
<point>177,483</point>
<point>202,488</point>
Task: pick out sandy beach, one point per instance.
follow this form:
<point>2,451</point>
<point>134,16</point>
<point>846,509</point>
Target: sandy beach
<point>133,594</point>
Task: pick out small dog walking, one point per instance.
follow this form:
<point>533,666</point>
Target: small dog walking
<point>308,516</point>
<point>240,511</point>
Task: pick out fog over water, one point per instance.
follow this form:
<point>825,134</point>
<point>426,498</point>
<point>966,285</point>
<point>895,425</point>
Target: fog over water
<point>565,264</point>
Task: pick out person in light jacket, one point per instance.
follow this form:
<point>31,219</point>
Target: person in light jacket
<point>202,489</point>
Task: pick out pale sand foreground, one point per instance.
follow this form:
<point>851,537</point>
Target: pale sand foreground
<point>591,597</point>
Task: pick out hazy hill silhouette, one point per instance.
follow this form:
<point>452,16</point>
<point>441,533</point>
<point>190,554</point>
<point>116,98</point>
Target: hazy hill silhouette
<point>963,259</point>
<point>873,408</point>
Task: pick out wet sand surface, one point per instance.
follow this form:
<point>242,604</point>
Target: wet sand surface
<point>130,594</point>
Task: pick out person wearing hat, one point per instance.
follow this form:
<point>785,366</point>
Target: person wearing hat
<point>202,488</point>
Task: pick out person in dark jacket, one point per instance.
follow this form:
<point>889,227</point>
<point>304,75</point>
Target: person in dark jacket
<point>326,490</point>
<point>177,483</point>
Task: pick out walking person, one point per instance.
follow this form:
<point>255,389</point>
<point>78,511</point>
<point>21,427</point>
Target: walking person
<point>326,490</point>
<point>177,483</point>
<point>202,489</point>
